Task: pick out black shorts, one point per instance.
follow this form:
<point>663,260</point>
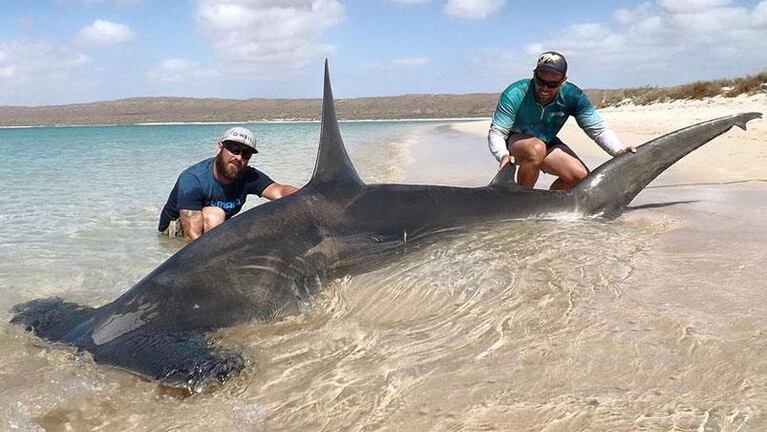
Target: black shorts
<point>554,144</point>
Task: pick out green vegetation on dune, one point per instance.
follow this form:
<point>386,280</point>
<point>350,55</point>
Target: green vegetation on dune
<point>748,85</point>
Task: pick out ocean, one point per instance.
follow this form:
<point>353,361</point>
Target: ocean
<point>653,321</point>
<point>84,200</point>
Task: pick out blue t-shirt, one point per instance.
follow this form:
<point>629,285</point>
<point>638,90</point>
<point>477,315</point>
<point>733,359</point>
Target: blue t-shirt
<point>519,112</point>
<point>197,188</point>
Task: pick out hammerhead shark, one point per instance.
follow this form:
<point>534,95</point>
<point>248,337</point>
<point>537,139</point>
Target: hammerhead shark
<point>271,261</point>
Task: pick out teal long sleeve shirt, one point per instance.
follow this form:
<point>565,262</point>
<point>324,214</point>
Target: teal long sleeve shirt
<point>518,111</point>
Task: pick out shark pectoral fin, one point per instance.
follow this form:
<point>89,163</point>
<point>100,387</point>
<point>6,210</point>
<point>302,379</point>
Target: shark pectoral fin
<point>505,179</point>
<point>178,359</point>
<point>53,318</point>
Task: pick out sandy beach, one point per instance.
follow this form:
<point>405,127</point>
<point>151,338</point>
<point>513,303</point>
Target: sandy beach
<point>736,156</point>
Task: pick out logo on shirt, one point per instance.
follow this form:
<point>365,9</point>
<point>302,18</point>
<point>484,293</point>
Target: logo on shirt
<point>226,205</point>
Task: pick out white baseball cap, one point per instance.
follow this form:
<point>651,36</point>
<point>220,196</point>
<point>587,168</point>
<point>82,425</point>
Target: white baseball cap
<point>240,135</point>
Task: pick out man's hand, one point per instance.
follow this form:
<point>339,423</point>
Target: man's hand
<point>192,223</point>
<point>507,159</point>
<point>627,149</point>
<point>276,191</point>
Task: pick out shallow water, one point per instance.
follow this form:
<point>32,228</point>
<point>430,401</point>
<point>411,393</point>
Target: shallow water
<point>654,321</point>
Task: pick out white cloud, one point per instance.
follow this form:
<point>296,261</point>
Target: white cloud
<point>34,71</point>
<point>590,32</point>
<point>760,14</point>
<point>691,6</point>
<point>711,23</point>
<point>399,64</point>
<point>649,26</point>
<point>103,33</point>
<point>579,39</point>
<point>665,44</point>
<point>179,70</point>
<point>411,61</point>
<point>7,72</point>
<point>269,38</point>
<point>409,2</point>
<point>472,9</point>
<point>629,16</point>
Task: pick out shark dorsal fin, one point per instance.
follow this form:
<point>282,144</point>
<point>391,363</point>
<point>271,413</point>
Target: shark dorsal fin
<point>505,179</point>
<point>333,164</point>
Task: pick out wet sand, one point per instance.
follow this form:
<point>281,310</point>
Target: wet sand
<point>682,347</point>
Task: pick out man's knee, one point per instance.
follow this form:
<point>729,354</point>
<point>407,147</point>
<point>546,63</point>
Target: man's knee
<point>212,217</point>
<point>530,149</point>
<point>574,174</point>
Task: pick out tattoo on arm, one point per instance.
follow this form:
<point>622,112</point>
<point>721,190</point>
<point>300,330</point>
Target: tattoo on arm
<point>192,223</point>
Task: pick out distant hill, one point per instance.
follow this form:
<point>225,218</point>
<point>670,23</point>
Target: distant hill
<point>174,109</point>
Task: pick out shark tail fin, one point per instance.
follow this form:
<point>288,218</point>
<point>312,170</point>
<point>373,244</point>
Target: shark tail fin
<point>333,163</point>
<point>607,190</point>
<point>742,119</point>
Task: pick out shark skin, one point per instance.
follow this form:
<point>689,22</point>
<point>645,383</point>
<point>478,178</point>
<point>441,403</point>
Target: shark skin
<point>271,261</point>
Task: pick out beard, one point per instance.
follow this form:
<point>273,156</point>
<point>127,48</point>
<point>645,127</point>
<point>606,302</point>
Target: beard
<point>230,171</point>
<point>545,98</point>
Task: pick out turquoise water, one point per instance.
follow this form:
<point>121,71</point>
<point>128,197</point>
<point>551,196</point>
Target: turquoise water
<point>81,203</point>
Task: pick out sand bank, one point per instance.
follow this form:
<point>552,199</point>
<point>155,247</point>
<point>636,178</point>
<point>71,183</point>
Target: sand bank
<point>736,156</point>
<point>448,156</point>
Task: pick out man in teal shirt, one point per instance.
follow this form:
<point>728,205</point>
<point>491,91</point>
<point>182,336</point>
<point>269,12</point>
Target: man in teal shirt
<point>529,115</point>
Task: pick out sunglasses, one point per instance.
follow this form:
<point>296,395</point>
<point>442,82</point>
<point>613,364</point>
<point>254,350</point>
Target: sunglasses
<point>238,149</point>
<point>540,82</point>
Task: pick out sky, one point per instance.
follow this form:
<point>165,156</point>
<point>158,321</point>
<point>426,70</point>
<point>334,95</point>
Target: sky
<point>75,51</point>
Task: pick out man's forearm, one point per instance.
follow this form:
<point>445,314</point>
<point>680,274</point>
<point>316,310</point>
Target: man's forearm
<point>496,142</point>
<point>605,138</point>
<point>276,191</point>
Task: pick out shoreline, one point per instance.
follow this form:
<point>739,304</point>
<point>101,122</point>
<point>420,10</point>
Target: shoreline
<point>297,121</point>
<point>444,155</point>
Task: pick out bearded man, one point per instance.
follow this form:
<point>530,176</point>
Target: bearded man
<point>213,190</point>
